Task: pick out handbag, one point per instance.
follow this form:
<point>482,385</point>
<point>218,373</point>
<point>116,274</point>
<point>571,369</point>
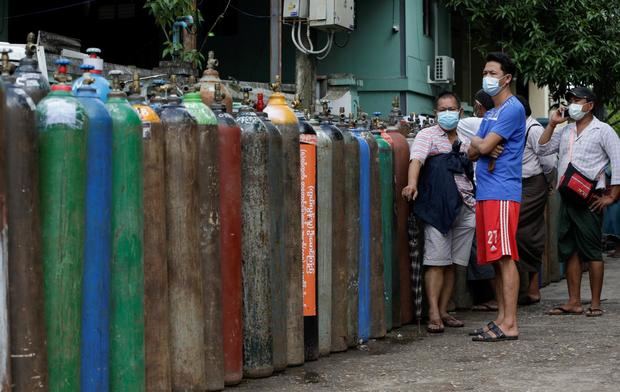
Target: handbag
<point>574,185</point>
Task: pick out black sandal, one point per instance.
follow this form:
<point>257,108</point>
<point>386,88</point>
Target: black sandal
<point>497,336</point>
<point>480,331</point>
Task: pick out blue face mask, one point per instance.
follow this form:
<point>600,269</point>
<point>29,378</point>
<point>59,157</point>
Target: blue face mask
<point>491,86</point>
<point>448,119</point>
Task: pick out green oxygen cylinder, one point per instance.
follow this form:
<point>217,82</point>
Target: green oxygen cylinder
<point>127,272</point>
<point>386,183</point>
<point>61,126</point>
<point>209,232</point>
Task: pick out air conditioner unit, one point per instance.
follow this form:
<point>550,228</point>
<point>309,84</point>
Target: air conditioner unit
<point>443,70</point>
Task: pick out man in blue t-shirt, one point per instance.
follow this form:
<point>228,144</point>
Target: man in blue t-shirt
<point>498,147</point>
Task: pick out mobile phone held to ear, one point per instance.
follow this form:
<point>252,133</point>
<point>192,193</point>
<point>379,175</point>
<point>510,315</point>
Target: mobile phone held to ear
<point>564,112</point>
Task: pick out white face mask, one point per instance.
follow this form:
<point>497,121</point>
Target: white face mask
<point>575,111</point>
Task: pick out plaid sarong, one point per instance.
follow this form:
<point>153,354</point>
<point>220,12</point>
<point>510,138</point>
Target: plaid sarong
<point>416,254</point>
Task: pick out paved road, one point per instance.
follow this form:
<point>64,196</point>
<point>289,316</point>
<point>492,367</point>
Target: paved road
<point>554,353</point>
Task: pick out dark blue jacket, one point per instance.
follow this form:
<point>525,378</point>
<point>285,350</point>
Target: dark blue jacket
<point>439,200</point>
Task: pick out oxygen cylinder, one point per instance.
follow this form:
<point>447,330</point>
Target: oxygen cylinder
<point>377,300</point>
<point>229,154</point>
<point>256,236</point>
<point>352,222</point>
<point>127,283</point>
<point>324,185</point>
<point>400,149</point>
<point>387,217</point>
<point>95,341</point>
<point>308,165</point>
<point>62,126</point>
<point>187,318</point>
<point>156,301</point>
<point>100,84</point>
<point>25,274</point>
<point>339,307</point>
<point>284,118</point>
<point>278,267</point>
<point>210,77</point>
<point>209,232</point>
<point>157,101</point>
<point>27,74</point>
<point>5,346</point>
<point>364,284</point>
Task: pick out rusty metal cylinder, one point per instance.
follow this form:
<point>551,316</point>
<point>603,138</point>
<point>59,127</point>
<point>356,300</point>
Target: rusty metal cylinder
<point>156,301</point>
<point>209,235</point>
<point>352,224</point>
<point>256,251</point>
<point>25,288</point>
<point>284,118</point>
<point>324,185</point>
<point>339,319</point>
<point>377,301</point>
<point>400,149</point>
<point>277,267</point>
<point>229,155</point>
<point>187,318</point>
<point>229,140</point>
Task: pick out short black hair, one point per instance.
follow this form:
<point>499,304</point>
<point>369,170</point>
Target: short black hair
<point>448,94</point>
<point>526,105</point>
<point>507,65</point>
<point>485,99</point>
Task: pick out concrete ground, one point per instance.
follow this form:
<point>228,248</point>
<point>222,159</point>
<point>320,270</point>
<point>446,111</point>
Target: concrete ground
<point>554,353</point>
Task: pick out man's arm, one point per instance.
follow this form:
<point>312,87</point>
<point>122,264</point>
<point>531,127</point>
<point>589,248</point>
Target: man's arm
<point>611,145</point>
<point>472,153</point>
<point>410,192</point>
<point>487,145</point>
<point>547,162</point>
<point>547,143</point>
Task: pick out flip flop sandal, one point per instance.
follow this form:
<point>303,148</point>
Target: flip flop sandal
<point>437,329</point>
<point>480,331</point>
<point>560,311</point>
<point>497,336</point>
<point>452,322</point>
<point>594,312</point>
<point>484,308</point>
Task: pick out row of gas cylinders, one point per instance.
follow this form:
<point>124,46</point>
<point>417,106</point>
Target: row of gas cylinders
<point>173,246</point>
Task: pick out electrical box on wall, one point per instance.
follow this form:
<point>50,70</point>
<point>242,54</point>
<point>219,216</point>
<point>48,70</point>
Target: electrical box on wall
<point>295,9</point>
<point>332,14</point>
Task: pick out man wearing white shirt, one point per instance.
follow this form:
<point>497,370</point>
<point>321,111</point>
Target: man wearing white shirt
<point>585,148</point>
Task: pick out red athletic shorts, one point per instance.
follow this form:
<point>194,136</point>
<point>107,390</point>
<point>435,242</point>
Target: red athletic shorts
<point>496,230</point>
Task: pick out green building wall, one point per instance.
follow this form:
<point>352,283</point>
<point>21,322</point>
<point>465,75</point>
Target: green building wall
<point>391,62</point>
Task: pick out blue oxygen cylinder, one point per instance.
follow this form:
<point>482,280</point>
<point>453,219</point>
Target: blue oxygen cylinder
<point>94,375</point>
<point>101,84</point>
<point>364,237</point>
